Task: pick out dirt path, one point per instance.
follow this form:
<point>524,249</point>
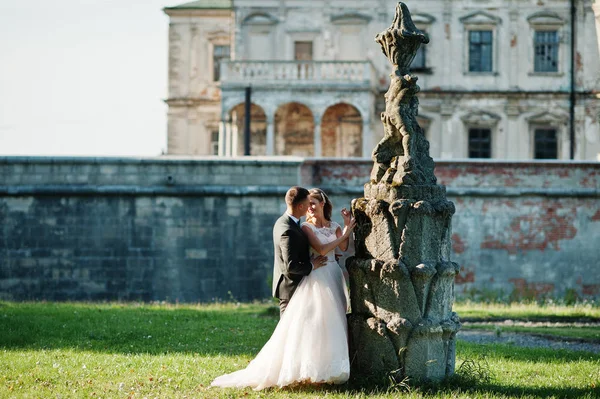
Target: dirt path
<point>527,340</point>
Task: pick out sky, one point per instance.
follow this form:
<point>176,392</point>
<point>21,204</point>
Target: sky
<point>83,77</point>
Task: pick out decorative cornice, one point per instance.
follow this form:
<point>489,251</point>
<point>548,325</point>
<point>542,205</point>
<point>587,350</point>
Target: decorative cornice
<point>548,117</point>
<point>480,118</point>
<point>545,18</point>
<point>422,18</point>
<point>351,15</point>
<point>191,102</point>
<point>480,18</point>
<point>198,13</point>
<point>260,18</point>
<point>424,120</point>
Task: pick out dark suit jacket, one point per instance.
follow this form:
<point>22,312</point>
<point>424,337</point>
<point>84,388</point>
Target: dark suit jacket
<point>292,258</point>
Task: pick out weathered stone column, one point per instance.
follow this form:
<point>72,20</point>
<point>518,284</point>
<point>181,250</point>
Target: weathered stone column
<point>270,135</point>
<point>367,135</point>
<point>401,278</point>
<point>317,137</point>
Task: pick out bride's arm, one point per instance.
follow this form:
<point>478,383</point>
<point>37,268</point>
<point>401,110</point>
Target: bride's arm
<point>344,244</point>
<point>338,232</point>
<point>321,248</point>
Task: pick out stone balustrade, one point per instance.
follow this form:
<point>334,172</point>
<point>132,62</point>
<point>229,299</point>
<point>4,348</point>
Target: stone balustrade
<point>306,73</point>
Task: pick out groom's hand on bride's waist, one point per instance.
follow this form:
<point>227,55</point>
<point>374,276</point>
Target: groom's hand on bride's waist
<point>318,261</point>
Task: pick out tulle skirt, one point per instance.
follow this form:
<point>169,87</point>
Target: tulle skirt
<point>310,342</point>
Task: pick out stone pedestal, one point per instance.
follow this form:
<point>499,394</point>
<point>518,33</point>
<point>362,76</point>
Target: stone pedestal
<point>401,277</point>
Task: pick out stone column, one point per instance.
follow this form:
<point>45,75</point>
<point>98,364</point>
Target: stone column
<point>228,138</point>
<point>222,127</point>
<point>317,137</point>
<point>367,136</point>
<point>513,76</point>
<point>596,8</point>
<point>401,277</point>
<point>270,135</point>
<point>448,144</point>
<point>513,135</point>
<point>234,132</point>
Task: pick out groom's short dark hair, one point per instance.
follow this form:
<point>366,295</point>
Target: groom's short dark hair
<point>296,195</point>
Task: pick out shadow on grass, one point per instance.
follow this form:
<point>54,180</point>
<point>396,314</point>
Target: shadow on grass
<point>114,328</point>
<point>523,354</point>
<point>475,384</point>
<point>454,387</point>
<point>232,331</point>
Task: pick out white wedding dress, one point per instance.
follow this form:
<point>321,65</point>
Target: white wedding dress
<point>310,342</point>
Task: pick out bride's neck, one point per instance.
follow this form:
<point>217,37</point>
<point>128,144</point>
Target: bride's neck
<point>319,221</point>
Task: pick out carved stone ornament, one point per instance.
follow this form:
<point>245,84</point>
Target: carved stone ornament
<point>401,41</point>
<point>401,277</point>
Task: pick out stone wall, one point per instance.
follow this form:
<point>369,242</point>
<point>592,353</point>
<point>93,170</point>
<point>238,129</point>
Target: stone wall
<point>199,229</point>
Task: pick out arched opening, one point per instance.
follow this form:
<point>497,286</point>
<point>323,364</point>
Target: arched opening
<point>258,129</point>
<point>341,131</point>
<point>294,130</point>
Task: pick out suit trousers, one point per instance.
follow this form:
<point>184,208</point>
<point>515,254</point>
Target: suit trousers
<point>282,305</point>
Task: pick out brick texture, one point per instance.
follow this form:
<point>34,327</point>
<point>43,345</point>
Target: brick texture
<point>122,229</point>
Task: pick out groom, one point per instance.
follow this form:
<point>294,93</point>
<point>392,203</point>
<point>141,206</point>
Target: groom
<point>292,257</point>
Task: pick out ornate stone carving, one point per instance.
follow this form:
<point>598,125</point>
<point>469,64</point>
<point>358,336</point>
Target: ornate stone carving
<point>401,277</point>
<point>402,156</point>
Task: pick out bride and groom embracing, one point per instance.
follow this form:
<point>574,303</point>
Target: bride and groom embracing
<point>310,342</point>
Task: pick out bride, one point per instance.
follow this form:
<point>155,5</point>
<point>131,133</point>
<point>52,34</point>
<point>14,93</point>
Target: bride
<point>310,342</point>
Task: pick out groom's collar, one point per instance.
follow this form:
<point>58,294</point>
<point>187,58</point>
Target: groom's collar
<point>295,219</point>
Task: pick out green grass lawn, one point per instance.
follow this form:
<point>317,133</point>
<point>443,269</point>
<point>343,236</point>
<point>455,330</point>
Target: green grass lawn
<point>50,350</point>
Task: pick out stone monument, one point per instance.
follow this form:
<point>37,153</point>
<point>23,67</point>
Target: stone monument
<point>401,277</point>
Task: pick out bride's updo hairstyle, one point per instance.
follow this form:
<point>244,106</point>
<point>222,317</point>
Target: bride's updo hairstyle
<point>320,196</point>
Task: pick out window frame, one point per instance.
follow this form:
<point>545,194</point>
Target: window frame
<point>538,128</point>
<point>422,48</point>
<point>547,22</point>
<point>549,120</point>
<point>536,44</point>
<point>424,23</point>
<point>259,23</point>
<point>481,43</point>
<point>480,119</point>
<point>214,144</point>
<point>480,21</point>
<point>470,129</point>
<point>213,46</point>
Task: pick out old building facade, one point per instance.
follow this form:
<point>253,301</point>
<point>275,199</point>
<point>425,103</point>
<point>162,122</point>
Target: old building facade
<point>502,79</point>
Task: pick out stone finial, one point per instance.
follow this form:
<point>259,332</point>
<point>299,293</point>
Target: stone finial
<point>401,41</point>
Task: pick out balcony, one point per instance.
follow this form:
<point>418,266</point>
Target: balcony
<point>356,75</point>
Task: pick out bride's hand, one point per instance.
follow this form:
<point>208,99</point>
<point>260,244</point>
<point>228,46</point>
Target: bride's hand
<point>349,227</point>
<point>346,215</point>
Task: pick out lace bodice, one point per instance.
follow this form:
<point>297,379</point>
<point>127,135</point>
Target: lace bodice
<point>325,235</point>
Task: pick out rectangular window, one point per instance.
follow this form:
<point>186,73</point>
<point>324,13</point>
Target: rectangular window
<point>480,143</point>
<point>220,53</point>
<point>418,63</point>
<point>214,142</point>
<point>545,144</point>
<point>303,51</point>
<point>480,51</point>
<point>546,51</point>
